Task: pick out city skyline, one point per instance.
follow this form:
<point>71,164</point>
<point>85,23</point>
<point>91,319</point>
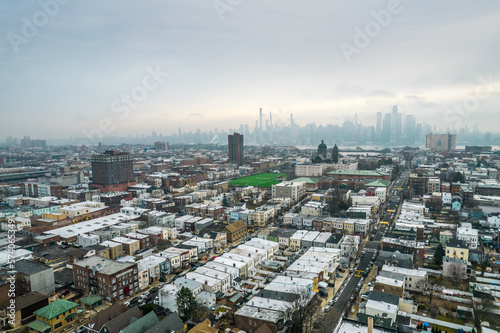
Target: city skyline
<point>197,65</point>
<point>392,128</point>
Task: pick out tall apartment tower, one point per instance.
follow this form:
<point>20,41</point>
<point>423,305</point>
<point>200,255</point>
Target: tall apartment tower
<point>441,142</point>
<point>235,146</point>
<point>112,171</point>
<point>159,145</point>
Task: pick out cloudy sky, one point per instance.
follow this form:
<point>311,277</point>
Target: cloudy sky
<point>135,67</point>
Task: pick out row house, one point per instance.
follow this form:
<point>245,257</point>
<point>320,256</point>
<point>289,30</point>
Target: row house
<point>219,239</point>
<point>144,240</point>
<point>130,246</point>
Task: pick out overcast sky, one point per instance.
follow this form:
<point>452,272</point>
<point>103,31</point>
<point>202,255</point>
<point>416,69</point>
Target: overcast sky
<point>226,58</point>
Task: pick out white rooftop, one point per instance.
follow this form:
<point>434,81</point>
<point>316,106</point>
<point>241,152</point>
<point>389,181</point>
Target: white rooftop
<point>89,226</point>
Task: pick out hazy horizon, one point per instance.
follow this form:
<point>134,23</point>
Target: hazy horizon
<point>68,67</point>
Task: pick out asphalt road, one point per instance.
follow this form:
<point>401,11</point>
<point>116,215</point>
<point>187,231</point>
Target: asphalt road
<point>333,315</point>
<point>336,311</point>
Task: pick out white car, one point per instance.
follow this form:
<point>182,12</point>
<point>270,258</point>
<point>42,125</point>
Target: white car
<point>127,304</point>
<point>327,307</point>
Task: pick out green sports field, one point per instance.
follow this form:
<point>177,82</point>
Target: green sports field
<point>260,180</point>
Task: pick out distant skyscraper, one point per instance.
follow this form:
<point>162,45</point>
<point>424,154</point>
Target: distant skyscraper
<point>394,125</point>
<point>386,137</point>
<point>410,129</point>
<point>270,119</point>
<point>378,129</point>
<point>112,171</point>
<point>291,120</point>
<point>235,147</point>
<point>260,112</point>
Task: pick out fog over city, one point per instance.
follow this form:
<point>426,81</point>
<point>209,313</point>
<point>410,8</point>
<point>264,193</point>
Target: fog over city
<point>68,68</point>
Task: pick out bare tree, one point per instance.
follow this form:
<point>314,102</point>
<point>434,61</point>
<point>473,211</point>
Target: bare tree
<point>482,310</point>
<point>303,312</point>
<point>163,245</point>
<point>483,261</point>
<point>201,314</point>
<point>434,204</point>
<point>428,289</point>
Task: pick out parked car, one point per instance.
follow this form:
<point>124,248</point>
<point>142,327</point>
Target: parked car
<point>331,302</point>
<point>339,276</point>
<point>327,307</point>
<point>152,290</point>
<point>127,304</point>
<point>323,293</point>
<point>340,269</point>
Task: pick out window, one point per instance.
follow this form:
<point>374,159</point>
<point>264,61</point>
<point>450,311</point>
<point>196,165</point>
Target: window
<point>56,326</point>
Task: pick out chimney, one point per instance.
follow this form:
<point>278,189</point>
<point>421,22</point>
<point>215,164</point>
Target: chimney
<point>370,324</point>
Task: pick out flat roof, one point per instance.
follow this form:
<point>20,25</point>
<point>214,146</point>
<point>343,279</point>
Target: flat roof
<point>89,226</point>
<point>212,273</point>
<point>104,265</point>
<point>256,313</point>
<point>310,236</point>
<point>124,240</point>
<point>405,271</point>
<point>322,237</point>
<point>203,279</point>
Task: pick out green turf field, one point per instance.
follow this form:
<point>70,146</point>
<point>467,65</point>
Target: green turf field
<point>260,180</point>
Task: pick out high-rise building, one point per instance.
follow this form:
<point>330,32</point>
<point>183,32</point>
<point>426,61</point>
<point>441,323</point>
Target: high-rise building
<point>441,142</point>
<point>235,146</point>
<point>410,129</point>
<point>386,137</point>
<point>260,112</point>
<point>396,125</point>
<point>378,130</point>
<point>112,171</point>
<point>161,146</point>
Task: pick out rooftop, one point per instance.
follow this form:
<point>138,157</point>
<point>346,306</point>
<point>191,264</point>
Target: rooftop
<point>30,267</point>
<point>358,173</point>
<point>55,309</point>
<point>104,265</point>
<point>256,313</point>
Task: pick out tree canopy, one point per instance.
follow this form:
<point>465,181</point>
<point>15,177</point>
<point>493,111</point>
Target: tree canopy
<point>186,303</point>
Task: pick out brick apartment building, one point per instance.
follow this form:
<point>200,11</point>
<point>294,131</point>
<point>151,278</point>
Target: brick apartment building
<point>109,278</point>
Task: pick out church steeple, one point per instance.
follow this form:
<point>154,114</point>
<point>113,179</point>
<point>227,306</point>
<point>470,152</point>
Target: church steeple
<point>335,154</point>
